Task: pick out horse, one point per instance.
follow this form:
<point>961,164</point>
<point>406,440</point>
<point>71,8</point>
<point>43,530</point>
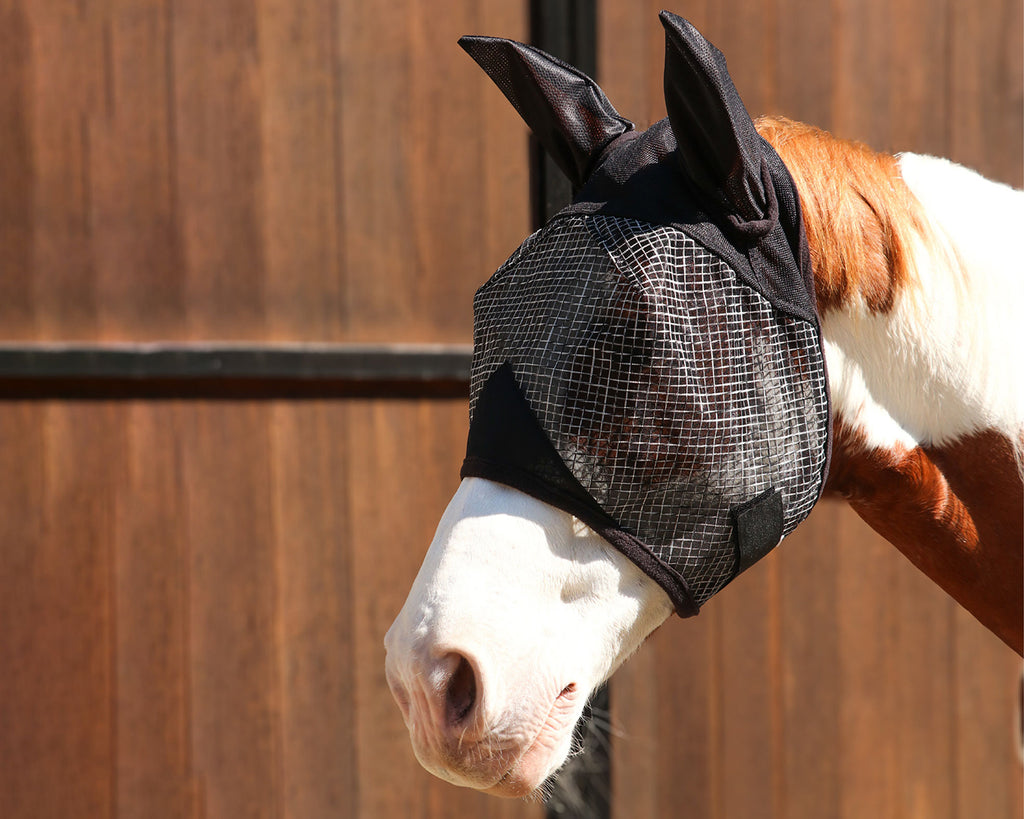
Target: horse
<point>521,608</point>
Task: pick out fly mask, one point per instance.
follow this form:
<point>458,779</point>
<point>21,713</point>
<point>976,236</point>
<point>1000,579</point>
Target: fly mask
<point>650,360</point>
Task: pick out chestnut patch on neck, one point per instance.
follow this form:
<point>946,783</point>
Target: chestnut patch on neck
<point>956,511</point>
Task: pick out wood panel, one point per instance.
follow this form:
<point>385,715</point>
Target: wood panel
<point>16,223</point>
<point>60,477</point>
<point>313,527</point>
<point>329,171</point>
<point>809,739</point>
<point>152,692</point>
<point>986,76</point>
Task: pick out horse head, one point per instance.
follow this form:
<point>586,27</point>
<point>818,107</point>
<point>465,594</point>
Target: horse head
<point>649,415</point>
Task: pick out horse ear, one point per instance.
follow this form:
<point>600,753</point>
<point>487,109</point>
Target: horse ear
<point>565,108</point>
<point>720,151</point>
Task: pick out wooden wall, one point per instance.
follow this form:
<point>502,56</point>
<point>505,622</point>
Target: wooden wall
<point>193,592</point>
<point>325,170</point>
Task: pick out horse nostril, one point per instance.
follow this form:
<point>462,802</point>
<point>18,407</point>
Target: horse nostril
<point>460,697</point>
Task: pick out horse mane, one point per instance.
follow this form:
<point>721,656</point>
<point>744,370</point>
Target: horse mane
<point>860,218</point>
<point>937,476</point>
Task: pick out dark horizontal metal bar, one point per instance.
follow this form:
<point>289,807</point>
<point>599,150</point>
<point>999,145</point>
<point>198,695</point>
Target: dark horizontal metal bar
<point>349,362</point>
<point>232,370</point>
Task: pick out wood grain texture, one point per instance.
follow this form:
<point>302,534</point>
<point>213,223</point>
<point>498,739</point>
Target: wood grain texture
<point>812,690</point>
<point>136,238</point>
<point>329,171</point>
<point>16,193</point>
<point>310,487</point>
<point>987,778</point>
<point>986,80</point>
<point>154,764</point>
<point>59,637</point>
<point>233,679</point>
<point>419,200</point>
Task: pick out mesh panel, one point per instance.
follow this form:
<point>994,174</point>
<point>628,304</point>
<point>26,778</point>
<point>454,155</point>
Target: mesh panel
<point>671,390</point>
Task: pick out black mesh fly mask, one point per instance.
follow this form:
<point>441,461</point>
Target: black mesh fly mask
<point>650,360</point>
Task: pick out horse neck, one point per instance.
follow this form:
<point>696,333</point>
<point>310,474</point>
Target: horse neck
<point>918,296</point>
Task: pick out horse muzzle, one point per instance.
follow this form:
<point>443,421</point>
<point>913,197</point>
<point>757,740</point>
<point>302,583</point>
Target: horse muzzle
<point>471,735</point>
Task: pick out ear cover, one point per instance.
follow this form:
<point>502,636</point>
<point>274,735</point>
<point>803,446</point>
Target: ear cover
<point>568,112</point>
<point>720,151</point>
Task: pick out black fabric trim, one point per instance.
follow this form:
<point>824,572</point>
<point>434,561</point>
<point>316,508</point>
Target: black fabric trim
<point>629,545</point>
<point>506,444</point>
<point>504,430</point>
<point>758,525</point>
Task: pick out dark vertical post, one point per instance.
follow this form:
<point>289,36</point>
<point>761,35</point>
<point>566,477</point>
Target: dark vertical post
<point>568,30</point>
